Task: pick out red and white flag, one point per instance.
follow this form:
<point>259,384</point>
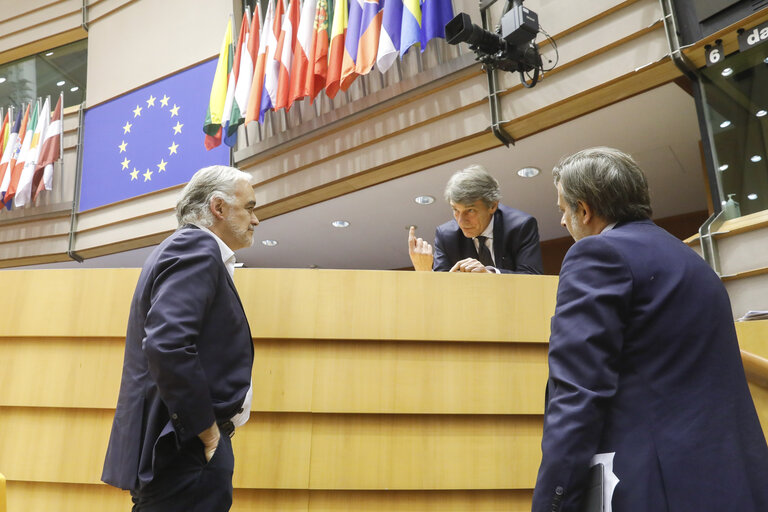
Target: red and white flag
<point>284,52</point>
<point>50,151</point>
<point>301,51</point>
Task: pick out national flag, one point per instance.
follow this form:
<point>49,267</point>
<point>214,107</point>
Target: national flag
<point>18,165</point>
<point>24,188</point>
<point>318,56</point>
<point>215,115</point>
<point>368,45</point>
<point>410,30</point>
<point>50,151</point>
<point>272,66</point>
<point>351,42</point>
<point>5,131</point>
<point>11,147</point>
<point>257,86</point>
<point>243,74</point>
<point>336,48</point>
<point>285,46</point>
<point>434,15</point>
<point>389,38</point>
<point>302,51</point>
<point>147,139</point>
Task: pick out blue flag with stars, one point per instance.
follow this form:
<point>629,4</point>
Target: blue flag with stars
<point>148,139</point>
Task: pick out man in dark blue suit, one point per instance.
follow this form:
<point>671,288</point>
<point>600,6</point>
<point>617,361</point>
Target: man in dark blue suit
<point>645,374</point>
<point>186,380</point>
<point>484,237</point>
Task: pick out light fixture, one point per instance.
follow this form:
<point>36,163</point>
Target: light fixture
<point>528,172</point>
<point>727,72</point>
<point>2,79</point>
<point>73,89</point>
<point>269,243</point>
<point>723,167</point>
<point>60,83</point>
<point>756,158</point>
<point>752,196</point>
<point>761,113</point>
<point>425,200</point>
<point>340,224</point>
<point>49,54</point>
<point>725,124</point>
<point>765,60</point>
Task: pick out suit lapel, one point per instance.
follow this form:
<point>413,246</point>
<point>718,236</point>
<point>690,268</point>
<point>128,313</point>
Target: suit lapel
<point>498,237</point>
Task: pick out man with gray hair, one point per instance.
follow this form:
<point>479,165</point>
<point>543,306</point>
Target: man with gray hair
<point>186,380</point>
<point>485,237</point>
<point>648,406</point>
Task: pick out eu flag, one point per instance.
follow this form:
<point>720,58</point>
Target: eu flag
<point>148,139</point>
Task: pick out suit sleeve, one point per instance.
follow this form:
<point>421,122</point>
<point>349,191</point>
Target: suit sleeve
<point>585,344</point>
<point>527,249</point>
<point>441,262</point>
<point>185,285</point>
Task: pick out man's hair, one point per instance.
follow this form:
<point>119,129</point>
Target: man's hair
<point>606,179</point>
<point>471,184</point>
<point>207,183</point>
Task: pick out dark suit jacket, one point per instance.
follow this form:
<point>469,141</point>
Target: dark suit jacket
<point>644,362</point>
<point>515,243</point>
<point>188,357</point>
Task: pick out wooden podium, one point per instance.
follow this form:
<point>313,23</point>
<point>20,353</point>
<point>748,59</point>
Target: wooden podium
<point>373,390</point>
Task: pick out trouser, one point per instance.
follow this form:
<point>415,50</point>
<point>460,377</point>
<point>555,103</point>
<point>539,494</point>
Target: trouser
<point>188,484</point>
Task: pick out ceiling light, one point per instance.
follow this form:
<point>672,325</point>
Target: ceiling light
<point>756,158</point>
<point>60,83</point>
<point>73,89</point>
<point>752,196</point>
<point>765,60</point>
<point>725,124</point>
<point>49,54</point>
<point>724,167</point>
<point>425,200</point>
<point>2,79</point>
<point>761,113</point>
<point>269,243</point>
<point>528,172</point>
<point>340,224</point>
<point>727,72</point>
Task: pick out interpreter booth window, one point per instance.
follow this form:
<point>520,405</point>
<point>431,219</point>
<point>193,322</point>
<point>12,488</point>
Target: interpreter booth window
<point>49,73</point>
<point>736,93</point>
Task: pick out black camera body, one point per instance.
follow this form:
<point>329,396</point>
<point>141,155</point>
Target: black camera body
<point>512,49</point>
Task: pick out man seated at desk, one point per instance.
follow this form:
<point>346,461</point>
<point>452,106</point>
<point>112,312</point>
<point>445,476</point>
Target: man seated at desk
<point>485,237</point>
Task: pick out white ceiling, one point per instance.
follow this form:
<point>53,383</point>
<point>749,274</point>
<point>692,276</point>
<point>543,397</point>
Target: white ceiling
<point>659,128</point>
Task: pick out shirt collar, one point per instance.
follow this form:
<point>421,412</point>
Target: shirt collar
<point>609,227</point>
<point>227,254</point>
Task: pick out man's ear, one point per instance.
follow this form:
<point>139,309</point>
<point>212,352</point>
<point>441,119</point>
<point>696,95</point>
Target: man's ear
<point>217,207</point>
<point>585,211</point>
<point>494,206</point>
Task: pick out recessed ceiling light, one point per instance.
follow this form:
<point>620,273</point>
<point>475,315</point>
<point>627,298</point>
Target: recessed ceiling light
<point>2,79</point>
<point>723,167</point>
<point>73,89</point>
<point>765,60</point>
<point>49,54</point>
<point>752,196</point>
<point>725,124</point>
<point>727,72</point>
<point>761,113</point>
<point>60,83</point>
<point>528,172</point>
<point>340,224</point>
<point>756,158</point>
<point>425,200</point>
<point>269,243</point>
<point>313,266</point>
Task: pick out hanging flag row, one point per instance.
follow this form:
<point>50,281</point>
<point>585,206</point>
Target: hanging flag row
<point>296,54</point>
<point>29,145</point>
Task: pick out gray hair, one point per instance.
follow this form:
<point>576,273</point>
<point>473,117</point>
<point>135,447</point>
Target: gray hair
<point>206,184</point>
<point>606,179</point>
<point>471,184</point>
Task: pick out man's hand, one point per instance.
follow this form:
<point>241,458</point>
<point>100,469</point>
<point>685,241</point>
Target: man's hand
<point>210,438</point>
<point>469,265</point>
<point>420,251</point>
